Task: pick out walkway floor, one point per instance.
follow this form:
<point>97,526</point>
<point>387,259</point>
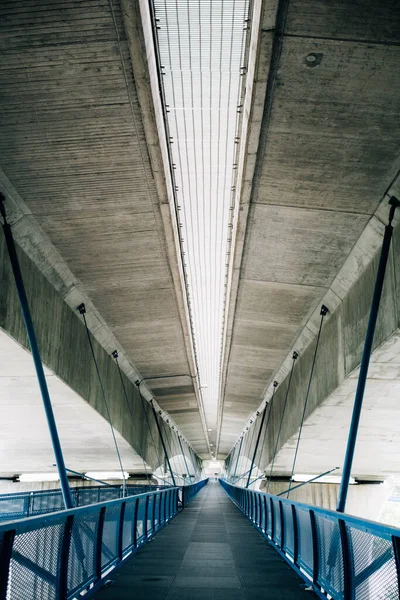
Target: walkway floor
<point>208,552</point>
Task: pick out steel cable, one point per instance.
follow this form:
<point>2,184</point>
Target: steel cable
<point>115,356</point>
<point>270,405</point>
<point>294,358</point>
<point>82,311</point>
<point>323,312</point>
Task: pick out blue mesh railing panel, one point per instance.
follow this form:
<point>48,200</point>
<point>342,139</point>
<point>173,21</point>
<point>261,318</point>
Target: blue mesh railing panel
<point>109,548</point>
<point>14,508</point>
<point>66,553</point>
<point>34,563</point>
<point>289,530</point>
<point>263,519</point>
<point>127,535</point>
<point>150,514</point>
<point>258,512</point>
<point>277,522</point>
<point>140,518</point>
<point>190,491</point>
<point>306,558</point>
<point>44,503</point>
<point>157,511</point>
<point>82,551</point>
<point>20,505</point>
<point>368,549</point>
<point>340,556</point>
<point>330,553</point>
<point>271,518</point>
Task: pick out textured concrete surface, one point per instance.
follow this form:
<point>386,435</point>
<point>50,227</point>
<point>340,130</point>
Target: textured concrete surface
<point>331,399</point>
<point>324,436</point>
<point>82,144</point>
<point>210,550</point>
<point>73,145</point>
<point>65,351</point>
<point>25,444</point>
<point>327,153</point>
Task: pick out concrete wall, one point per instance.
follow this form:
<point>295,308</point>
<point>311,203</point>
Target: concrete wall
<point>339,353</point>
<point>64,348</point>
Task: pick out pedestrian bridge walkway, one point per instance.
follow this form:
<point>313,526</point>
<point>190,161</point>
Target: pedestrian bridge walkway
<point>195,542</point>
<point>209,551</point>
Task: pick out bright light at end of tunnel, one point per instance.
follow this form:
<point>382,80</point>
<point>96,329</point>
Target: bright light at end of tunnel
<point>106,475</point>
<point>38,477</point>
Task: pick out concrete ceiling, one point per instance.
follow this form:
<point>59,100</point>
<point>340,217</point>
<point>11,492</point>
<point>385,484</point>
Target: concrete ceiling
<point>25,445</point>
<point>323,146</point>
<point>72,143</point>
<point>328,151</point>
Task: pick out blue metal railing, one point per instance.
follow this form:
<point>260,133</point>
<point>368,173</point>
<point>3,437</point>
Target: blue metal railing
<point>340,556</point>
<point>190,491</point>
<point>66,554</point>
<point>28,504</point>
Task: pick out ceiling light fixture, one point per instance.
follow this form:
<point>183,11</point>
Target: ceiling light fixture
<point>202,50</point>
<point>106,475</point>
<point>38,477</point>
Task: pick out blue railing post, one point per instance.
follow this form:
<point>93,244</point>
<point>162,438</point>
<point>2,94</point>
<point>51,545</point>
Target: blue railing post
<point>99,542</point>
<point>159,510</point>
<point>348,563</point>
<point>30,330</point>
<point>282,517</point>
<point>265,513</point>
<point>121,530</point>
<point>134,522</point>
<point>62,583</point>
<point>369,339</point>
<point>295,535</point>
<point>165,497</point>
<point>146,508</point>
<point>317,562</point>
<point>396,552</point>
<point>5,559</point>
<point>271,504</point>
<point>315,546</point>
<point>153,525</point>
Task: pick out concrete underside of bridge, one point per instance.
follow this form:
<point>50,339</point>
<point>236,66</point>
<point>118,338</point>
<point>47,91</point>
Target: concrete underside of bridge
<point>331,397</point>
<point>90,206</point>
<point>25,445</point>
<point>326,95</point>
<point>83,193</point>
<point>79,407</point>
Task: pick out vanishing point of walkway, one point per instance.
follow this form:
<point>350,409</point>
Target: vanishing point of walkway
<point>208,552</point>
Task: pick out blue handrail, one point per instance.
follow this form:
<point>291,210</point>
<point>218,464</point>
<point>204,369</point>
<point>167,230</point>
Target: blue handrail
<point>338,555</point>
<point>63,554</point>
<point>19,505</point>
<point>190,491</point>
<point>70,552</point>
